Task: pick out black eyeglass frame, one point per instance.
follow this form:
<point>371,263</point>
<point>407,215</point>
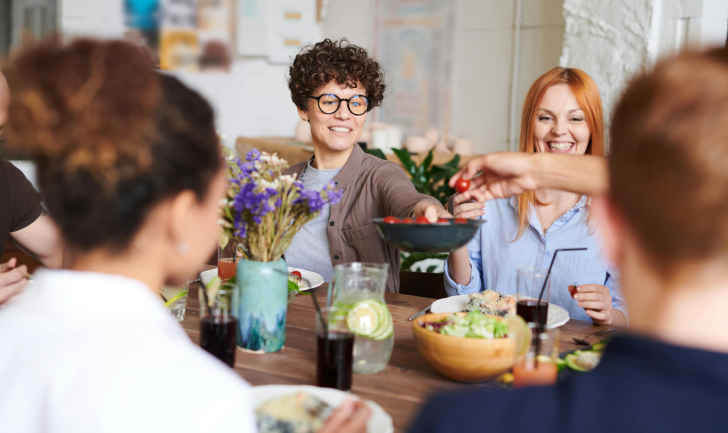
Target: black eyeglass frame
<point>318,102</point>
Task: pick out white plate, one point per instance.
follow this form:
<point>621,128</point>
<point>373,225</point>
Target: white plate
<point>312,277</point>
<point>379,422</point>
<point>557,315</point>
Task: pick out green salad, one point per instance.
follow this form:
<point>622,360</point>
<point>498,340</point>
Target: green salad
<point>472,325</point>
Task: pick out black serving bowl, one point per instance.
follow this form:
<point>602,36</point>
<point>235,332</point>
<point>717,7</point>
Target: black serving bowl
<point>444,237</point>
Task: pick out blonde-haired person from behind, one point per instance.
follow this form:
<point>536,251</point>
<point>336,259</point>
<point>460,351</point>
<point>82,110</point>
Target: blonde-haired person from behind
<point>562,114</point>
<point>130,166</point>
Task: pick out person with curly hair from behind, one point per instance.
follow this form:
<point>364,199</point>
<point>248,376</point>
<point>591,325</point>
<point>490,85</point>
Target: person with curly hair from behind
<point>334,85</point>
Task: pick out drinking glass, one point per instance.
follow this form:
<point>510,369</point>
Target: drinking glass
<point>528,288</point>
<point>334,349</point>
<point>538,366</point>
<point>361,286</point>
<point>226,257</point>
<point>219,322</point>
<point>175,300</point>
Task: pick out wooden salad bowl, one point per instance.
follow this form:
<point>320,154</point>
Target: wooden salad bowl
<point>463,359</point>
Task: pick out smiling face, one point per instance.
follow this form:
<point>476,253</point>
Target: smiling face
<point>336,132</point>
<point>560,125</point>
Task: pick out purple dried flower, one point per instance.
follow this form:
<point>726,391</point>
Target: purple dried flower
<point>253,155</point>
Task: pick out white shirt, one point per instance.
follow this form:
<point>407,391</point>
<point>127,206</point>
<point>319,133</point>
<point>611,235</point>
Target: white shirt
<point>87,352</point>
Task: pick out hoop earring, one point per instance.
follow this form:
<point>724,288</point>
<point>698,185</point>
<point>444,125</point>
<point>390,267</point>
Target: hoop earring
<point>182,248</point>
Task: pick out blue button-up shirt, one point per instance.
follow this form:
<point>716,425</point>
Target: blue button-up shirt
<point>495,258</point>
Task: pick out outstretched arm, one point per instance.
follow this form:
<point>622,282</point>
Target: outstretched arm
<point>506,174</point>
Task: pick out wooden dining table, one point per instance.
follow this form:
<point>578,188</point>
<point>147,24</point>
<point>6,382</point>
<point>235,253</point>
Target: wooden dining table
<point>400,389</point>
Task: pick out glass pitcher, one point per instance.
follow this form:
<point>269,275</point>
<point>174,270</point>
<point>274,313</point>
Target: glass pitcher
<point>358,289</point>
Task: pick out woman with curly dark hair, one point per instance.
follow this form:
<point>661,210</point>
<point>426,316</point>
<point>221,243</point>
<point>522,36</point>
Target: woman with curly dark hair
<point>334,85</point>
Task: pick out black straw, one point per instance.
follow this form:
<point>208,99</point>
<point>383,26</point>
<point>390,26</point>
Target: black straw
<point>541,326</point>
<point>548,274</point>
<point>320,315</point>
<point>313,297</point>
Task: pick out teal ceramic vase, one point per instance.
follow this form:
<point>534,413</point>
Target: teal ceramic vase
<point>263,305</point>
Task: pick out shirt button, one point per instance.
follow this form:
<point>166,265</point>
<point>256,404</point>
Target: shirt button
<point>562,220</point>
<point>331,223</point>
<point>336,257</point>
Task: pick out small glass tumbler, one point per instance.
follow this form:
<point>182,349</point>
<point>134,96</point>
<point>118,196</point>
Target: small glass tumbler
<point>529,283</point>
<point>227,257</point>
<point>219,322</point>
<point>334,349</point>
<point>175,300</point>
<point>538,366</point>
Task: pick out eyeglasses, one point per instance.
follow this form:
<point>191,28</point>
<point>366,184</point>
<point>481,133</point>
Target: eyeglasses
<point>329,103</point>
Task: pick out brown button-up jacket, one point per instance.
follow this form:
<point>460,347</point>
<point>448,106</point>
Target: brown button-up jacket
<point>373,188</point>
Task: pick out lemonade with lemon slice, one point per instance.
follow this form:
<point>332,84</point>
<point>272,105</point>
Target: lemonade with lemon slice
<point>175,300</point>
<point>358,290</point>
<point>371,323</point>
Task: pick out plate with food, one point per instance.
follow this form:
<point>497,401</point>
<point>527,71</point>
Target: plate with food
<point>304,409</point>
<point>306,279</point>
<point>493,303</point>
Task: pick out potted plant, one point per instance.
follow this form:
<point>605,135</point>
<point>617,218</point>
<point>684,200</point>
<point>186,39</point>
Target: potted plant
<point>263,211</point>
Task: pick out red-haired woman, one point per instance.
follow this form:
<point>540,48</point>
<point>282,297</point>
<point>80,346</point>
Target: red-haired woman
<point>562,114</point>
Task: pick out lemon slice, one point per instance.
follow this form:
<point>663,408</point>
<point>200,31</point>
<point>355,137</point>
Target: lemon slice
<point>364,318</point>
<point>175,298</point>
<point>518,329</point>
<point>212,288</point>
<point>386,328</point>
<point>222,239</point>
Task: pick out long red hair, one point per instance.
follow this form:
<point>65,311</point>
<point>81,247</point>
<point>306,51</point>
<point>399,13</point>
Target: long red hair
<point>587,95</point>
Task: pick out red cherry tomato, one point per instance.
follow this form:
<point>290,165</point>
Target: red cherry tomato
<point>408,220</point>
<point>296,273</point>
<point>460,220</point>
<point>422,220</point>
<point>443,220</point>
<point>462,185</point>
<point>391,220</point>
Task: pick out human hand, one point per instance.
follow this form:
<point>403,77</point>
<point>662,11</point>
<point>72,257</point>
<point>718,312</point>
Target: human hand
<point>502,175</point>
<point>465,208</point>
<point>429,210</point>
<point>350,417</point>
<point>596,301</point>
<point>12,280</point>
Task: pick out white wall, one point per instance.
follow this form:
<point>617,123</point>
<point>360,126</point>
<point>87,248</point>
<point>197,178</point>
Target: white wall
<point>613,40</point>
<point>251,100</point>
<point>483,58</point>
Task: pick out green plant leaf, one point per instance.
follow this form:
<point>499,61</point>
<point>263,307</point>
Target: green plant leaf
<point>454,162</point>
<point>431,269</point>
<point>404,157</point>
<point>428,160</point>
<point>376,152</point>
<point>413,258</point>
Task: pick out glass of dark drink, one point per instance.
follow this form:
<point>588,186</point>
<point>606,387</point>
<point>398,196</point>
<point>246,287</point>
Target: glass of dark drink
<point>528,289</point>
<point>334,349</point>
<point>219,322</point>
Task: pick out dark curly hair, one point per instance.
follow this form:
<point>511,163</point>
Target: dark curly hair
<point>111,137</point>
<point>328,60</point>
